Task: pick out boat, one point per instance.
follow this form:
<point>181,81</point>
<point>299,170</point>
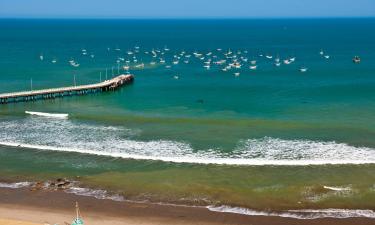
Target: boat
<point>292,59</point>
<point>78,220</point>
<point>277,64</point>
<point>253,62</point>
<point>253,67</point>
<point>41,57</point>
<point>175,77</point>
<point>207,66</point>
<point>356,59</point>
<point>269,56</point>
<point>237,74</point>
<point>126,67</point>
<point>287,62</point>
<point>326,56</point>
<point>152,63</point>
<point>321,52</point>
<point>303,69</point>
<point>141,66</point>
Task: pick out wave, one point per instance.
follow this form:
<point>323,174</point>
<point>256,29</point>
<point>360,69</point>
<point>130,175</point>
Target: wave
<point>337,188</point>
<point>113,141</point>
<point>53,115</point>
<point>15,185</point>
<point>299,214</point>
<point>96,193</point>
<point>296,214</point>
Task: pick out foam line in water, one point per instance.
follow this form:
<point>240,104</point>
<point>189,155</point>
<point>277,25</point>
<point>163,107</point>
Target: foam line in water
<point>298,214</point>
<point>117,141</point>
<point>53,115</point>
<point>218,161</point>
<point>15,185</point>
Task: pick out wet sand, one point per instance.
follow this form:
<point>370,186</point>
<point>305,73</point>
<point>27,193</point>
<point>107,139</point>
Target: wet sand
<point>52,207</point>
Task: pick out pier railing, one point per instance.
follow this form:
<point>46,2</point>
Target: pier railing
<point>32,95</point>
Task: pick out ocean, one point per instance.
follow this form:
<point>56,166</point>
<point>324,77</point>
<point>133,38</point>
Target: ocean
<point>271,138</point>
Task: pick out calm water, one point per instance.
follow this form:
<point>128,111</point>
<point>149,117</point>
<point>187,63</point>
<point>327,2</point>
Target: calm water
<point>221,134</point>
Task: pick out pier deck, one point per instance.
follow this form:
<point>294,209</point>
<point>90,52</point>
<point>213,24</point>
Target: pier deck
<point>107,85</point>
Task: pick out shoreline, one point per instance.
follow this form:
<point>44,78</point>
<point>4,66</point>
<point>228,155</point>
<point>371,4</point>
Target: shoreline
<point>25,205</point>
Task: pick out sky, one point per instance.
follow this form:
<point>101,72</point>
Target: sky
<point>185,8</point>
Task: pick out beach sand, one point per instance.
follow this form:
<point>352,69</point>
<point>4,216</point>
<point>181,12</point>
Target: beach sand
<point>41,207</point>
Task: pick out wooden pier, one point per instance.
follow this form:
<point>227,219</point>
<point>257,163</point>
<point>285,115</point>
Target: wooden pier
<point>107,85</point>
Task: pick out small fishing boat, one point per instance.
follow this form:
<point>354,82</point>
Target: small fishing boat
<point>269,56</point>
<point>277,64</point>
<point>237,74</point>
<point>176,77</point>
<point>356,59</point>
<point>303,69</point>
<point>54,61</point>
<point>253,67</point>
<point>253,62</point>
<point>287,62</point>
<point>326,56</point>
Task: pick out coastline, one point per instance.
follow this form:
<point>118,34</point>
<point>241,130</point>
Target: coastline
<point>25,205</point>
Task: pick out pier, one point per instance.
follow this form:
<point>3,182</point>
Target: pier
<point>51,93</point>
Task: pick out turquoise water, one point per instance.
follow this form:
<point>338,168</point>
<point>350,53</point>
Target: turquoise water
<point>264,117</point>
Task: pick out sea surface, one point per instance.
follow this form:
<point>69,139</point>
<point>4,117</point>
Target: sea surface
<point>273,139</point>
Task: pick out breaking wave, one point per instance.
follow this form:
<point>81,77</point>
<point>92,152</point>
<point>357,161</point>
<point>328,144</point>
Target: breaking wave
<point>71,136</point>
<point>299,214</point>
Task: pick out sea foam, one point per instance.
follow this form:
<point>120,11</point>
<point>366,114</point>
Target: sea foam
<point>52,115</point>
<point>116,141</point>
<point>298,214</point>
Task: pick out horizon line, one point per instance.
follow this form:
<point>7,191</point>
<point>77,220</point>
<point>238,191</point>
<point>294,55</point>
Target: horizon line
<point>191,18</point>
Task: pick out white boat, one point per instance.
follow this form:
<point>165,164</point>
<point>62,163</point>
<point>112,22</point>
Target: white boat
<point>269,56</point>
<point>356,59</point>
<point>54,61</point>
<point>175,77</point>
<point>292,59</point>
<point>162,61</point>
<point>168,66</point>
<point>327,56</point>
<point>277,64</point>
<point>237,74</point>
<point>126,67</point>
<point>253,67</point>
<point>152,63</point>
<point>253,62</point>
<point>303,69</point>
<point>175,62</point>
<point>140,66</point>
<point>321,52</point>
<point>207,66</point>
<point>287,62</point>
<point>41,57</point>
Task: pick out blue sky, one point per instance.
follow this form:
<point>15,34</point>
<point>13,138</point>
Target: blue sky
<point>186,8</point>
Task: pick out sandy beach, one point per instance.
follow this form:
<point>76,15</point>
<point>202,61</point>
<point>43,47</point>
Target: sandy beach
<point>25,207</point>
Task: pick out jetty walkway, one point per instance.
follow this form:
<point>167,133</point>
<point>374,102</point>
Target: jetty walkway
<point>107,85</point>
